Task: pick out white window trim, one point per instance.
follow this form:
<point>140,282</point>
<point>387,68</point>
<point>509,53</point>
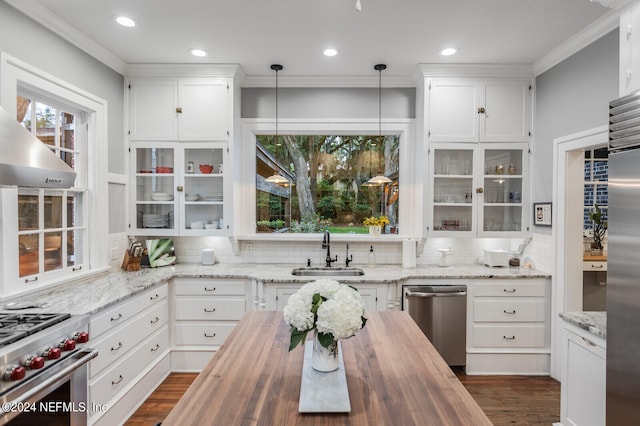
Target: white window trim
<point>410,177</point>
<point>14,73</point>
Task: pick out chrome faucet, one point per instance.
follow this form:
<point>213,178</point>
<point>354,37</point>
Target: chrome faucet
<point>326,243</point>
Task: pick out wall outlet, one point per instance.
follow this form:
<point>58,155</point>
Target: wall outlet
<point>115,253</point>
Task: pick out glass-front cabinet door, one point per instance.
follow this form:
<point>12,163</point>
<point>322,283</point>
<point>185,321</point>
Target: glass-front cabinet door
<point>452,188</point>
<point>505,192</point>
<point>478,189</point>
<point>154,192</point>
<point>203,192</point>
<point>179,189</point>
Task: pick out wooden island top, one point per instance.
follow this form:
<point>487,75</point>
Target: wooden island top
<point>394,376</point>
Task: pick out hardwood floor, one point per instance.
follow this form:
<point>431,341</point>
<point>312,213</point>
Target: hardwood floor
<point>507,400</point>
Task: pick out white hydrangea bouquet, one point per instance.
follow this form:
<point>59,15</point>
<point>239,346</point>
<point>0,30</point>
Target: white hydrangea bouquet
<point>335,311</point>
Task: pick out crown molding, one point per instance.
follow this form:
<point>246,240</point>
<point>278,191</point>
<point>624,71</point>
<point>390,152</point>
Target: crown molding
<point>475,70</point>
<point>47,19</point>
<point>598,29</point>
<point>184,70</point>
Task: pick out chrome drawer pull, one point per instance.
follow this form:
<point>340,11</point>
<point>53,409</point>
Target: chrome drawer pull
<point>509,338</point>
<point>116,318</point>
<point>117,381</point>
<point>597,266</point>
<point>155,320</point>
<point>209,335</point>
<point>117,348</point>
<point>154,297</point>
<point>155,348</point>
<point>209,289</point>
<point>513,290</point>
<point>588,342</point>
<point>510,312</point>
<point>209,310</point>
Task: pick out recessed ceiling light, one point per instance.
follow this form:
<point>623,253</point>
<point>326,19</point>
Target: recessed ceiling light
<point>330,52</point>
<point>198,52</point>
<point>448,51</point>
<point>125,21</point>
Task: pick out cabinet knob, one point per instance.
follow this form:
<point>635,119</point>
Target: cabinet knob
<point>479,190</point>
<point>179,110</point>
<point>481,110</point>
<point>180,188</point>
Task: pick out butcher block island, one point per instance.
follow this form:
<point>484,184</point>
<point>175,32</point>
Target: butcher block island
<point>394,376</point>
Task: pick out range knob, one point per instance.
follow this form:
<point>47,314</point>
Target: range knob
<point>33,362</point>
<point>67,345</point>
<point>14,372</point>
<point>52,353</point>
<point>81,337</point>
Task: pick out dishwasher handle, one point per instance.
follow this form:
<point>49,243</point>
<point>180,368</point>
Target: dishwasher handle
<point>413,293</point>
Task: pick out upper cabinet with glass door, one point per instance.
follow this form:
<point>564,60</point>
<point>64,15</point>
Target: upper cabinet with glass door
<point>179,189</point>
<point>190,109</point>
<point>478,190</point>
<point>479,110</point>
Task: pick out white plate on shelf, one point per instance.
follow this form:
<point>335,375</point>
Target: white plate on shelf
<point>161,196</point>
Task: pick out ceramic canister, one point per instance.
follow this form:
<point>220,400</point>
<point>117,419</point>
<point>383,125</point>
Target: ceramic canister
<point>208,257</point>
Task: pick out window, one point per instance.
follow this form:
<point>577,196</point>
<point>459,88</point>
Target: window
<point>51,226</point>
<point>327,184</point>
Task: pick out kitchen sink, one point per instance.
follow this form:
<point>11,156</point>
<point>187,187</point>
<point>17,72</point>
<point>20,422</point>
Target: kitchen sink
<point>317,271</point>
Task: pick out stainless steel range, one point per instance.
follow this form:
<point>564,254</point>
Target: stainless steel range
<point>43,368</point>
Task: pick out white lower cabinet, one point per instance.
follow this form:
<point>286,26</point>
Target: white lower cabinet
<point>132,339</point>
<point>374,296</point>
<point>205,312</point>
<point>508,327</point>
<point>583,389</point>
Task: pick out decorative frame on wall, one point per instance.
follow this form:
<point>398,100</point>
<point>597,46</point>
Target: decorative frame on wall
<point>542,214</point>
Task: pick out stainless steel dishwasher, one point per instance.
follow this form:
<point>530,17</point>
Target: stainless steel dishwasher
<point>441,312</point>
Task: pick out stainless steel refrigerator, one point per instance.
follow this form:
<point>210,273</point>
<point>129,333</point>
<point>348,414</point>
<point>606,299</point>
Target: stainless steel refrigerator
<point>623,263</point>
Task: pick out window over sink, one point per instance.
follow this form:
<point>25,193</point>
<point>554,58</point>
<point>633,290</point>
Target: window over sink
<point>327,182</point>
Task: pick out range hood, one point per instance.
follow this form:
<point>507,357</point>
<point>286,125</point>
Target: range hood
<point>27,162</point>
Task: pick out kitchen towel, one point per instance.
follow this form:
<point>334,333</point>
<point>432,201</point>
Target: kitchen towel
<point>408,253</point>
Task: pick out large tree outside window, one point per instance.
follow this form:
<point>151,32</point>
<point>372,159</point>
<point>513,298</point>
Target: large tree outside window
<point>327,186</point>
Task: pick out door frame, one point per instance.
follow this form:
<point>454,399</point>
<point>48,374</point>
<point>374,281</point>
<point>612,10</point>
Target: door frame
<point>568,167</point>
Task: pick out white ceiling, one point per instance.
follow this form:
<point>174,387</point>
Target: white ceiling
<point>257,33</point>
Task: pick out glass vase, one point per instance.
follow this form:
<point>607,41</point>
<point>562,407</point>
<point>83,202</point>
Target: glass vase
<point>324,359</point>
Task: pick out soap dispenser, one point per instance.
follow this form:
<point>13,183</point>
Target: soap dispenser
<point>372,257</point>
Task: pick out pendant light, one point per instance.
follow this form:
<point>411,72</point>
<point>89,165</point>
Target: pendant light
<point>277,178</point>
<point>379,179</point>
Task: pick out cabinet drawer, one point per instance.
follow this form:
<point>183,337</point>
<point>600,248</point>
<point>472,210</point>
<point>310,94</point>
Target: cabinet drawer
<point>204,287</point>
<point>209,334</point>
<point>122,375</point>
<point>209,309</point>
<point>513,336</point>
<point>510,288</point>
<point>509,310</point>
<point>119,314</point>
<point>118,342</point>
<point>594,266</point>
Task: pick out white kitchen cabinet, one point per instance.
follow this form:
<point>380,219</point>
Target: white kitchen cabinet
<point>629,51</point>
<point>189,109</point>
<point>583,389</point>
<point>508,327</point>
<point>478,190</point>
<point>205,312</point>
<point>170,194</point>
<point>479,110</point>
<point>133,343</point>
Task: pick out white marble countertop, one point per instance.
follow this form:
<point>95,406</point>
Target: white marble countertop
<point>95,294</point>
<point>594,322</point>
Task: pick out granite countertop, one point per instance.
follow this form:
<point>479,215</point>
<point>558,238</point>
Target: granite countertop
<point>594,322</point>
<point>97,293</point>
